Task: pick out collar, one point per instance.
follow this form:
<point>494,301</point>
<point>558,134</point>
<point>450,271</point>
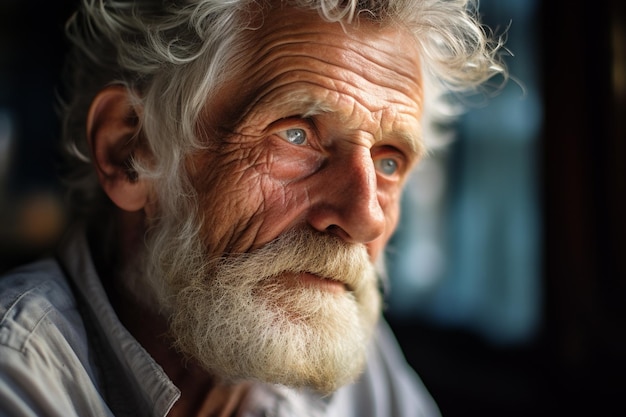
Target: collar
<point>153,390</point>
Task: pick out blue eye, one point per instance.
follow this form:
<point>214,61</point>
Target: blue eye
<point>387,166</point>
<point>295,136</point>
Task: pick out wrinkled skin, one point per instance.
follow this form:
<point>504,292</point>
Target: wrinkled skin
<point>355,97</point>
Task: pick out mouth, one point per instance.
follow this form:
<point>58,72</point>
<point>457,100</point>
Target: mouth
<point>327,284</point>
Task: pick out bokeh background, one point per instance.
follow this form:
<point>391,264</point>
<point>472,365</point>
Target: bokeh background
<point>508,273</point>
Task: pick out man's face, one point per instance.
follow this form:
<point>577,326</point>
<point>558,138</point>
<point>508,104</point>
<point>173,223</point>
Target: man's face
<point>297,199</point>
<point>324,127</point>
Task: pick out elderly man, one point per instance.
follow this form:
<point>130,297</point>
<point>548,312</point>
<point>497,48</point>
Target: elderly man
<point>241,164</point>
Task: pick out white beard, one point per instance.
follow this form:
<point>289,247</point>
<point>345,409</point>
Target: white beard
<point>247,316</point>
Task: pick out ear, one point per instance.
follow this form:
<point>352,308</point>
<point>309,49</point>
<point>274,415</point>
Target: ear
<point>112,133</point>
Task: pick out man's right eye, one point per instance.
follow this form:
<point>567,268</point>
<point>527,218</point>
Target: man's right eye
<point>294,136</point>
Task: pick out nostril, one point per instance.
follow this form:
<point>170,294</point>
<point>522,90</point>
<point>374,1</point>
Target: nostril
<point>335,230</point>
<point>332,228</point>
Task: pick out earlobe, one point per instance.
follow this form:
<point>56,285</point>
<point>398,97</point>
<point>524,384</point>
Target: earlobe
<point>112,133</point>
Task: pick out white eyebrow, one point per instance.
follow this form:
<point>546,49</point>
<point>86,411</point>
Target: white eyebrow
<point>305,105</point>
<point>413,139</point>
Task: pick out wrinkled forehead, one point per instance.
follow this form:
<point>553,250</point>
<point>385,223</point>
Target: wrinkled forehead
<point>284,25</point>
<point>293,55</point>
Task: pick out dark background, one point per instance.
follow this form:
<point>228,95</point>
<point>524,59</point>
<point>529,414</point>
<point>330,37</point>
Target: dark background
<point>575,365</point>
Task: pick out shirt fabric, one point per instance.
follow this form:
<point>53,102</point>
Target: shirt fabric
<point>64,353</point>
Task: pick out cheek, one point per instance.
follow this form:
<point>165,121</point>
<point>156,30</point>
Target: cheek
<point>230,196</point>
<point>243,206</point>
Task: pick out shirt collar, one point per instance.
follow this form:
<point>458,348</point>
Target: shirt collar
<point>158,392</point>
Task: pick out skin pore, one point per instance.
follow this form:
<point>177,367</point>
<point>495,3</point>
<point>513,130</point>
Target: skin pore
<point>321,132</point>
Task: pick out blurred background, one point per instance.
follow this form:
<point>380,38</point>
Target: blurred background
<point>508,279</point>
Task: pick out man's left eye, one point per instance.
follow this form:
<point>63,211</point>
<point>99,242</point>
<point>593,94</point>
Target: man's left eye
<point>387,166</point>
<point>295,136</point>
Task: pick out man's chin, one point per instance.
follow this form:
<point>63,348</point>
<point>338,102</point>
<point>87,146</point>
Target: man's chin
<point>307,336</point>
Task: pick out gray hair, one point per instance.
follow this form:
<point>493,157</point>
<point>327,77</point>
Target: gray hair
<point>172,54</point>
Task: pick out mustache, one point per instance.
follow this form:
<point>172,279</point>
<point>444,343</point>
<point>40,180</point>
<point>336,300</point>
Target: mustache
<point>303,250</point>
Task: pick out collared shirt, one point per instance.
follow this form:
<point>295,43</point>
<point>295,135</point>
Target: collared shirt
<point>64,352</point>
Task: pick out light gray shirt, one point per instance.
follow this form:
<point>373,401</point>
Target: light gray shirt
<point>64,352</point>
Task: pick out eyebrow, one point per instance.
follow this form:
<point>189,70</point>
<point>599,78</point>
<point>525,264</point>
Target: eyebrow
<point>413,139</point>
<point>306,106</point>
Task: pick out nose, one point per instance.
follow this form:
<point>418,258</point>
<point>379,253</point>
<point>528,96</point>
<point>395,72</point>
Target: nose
<point>346,201</point>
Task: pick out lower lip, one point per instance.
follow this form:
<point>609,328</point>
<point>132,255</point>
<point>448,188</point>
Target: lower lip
<point>322,283</point>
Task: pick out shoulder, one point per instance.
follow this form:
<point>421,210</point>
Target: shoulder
<point>37,277</point>
<point>32,298</point>
<point>44,355</point>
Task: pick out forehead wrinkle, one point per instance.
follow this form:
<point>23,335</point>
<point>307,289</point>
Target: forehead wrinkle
<point>346,63</point>
<point>370,47</point>
<point>287,88</point>
<point>293,33</point>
